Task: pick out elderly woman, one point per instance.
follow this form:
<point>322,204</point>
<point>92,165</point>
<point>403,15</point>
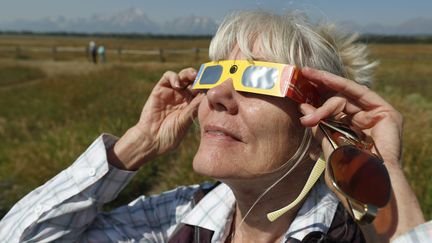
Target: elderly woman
<point>258,146</point>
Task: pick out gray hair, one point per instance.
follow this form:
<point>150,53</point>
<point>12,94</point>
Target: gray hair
<point>291,39</point>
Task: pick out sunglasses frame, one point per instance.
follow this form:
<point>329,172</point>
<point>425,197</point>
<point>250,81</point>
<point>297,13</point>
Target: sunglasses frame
<point>362,212</point>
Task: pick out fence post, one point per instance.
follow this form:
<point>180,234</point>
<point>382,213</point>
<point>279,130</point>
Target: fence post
<point>18,51</point>
<point>54,52</point>
<point>161,55</point>
<point>119,52</point>
<point>197,53</point>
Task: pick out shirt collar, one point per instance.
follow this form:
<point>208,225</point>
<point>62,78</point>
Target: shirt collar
<point>316,213</point>
<point>215,210</point>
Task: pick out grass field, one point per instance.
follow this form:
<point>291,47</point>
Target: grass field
<point>52,108</point>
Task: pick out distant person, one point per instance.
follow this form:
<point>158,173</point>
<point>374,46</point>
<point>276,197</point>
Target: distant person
<point>92,51</point>
<point>253,137</point>
<point>101,53</point>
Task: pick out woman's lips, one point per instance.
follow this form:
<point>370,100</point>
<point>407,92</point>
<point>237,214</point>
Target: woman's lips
<point>220,133</point>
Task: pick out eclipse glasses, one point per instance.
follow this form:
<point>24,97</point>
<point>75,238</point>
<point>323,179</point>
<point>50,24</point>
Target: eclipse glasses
<point>355,172</point>
<point>267,78</point>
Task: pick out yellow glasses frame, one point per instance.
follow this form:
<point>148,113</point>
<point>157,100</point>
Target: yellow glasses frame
<point>287,82</point>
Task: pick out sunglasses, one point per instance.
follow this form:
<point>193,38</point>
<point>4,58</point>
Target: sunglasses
<point>267,78</point>
<point>357,174</point>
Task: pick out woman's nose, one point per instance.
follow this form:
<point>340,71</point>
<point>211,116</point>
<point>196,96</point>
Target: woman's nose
<point>222,97</point>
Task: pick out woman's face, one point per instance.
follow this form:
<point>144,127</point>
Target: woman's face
<point>244,135</point>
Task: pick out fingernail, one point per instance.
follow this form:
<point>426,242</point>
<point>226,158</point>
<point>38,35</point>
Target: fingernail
<point>306,117</point>
<point>304,109</point>
<point>177,84</point>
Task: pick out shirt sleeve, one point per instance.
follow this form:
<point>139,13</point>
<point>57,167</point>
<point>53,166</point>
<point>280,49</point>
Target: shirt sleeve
<point>421,233</point>
<point>68,203</point>
<point>68,207</point>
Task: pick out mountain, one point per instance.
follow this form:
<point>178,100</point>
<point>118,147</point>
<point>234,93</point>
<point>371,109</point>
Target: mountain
<point>415,26</point>
<point>128,21</point>
<point>133,20</point>
<point>418,25</point>
<point>191,25</point>
<point>42,25</point>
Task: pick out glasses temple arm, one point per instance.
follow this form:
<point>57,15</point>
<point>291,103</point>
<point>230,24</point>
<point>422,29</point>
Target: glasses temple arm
<point>327,135</point>
<point>377,151</point>
<point>337,129</point>
<point>313,177</point>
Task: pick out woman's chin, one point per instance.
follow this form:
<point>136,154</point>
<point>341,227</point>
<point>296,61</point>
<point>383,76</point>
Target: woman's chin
<point>212,167</point>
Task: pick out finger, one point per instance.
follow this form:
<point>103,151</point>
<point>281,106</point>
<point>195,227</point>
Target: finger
<point>187,76</point>
<point>360,93</point>
<point>316,132</point>
<point>188,93</point>
<point>334,107</point>
<point>307,110</point>
<point>191,110</point>
<point>170,79</point>
<point>365,120</point>
<point>192,107</point>
<point>330,107</point>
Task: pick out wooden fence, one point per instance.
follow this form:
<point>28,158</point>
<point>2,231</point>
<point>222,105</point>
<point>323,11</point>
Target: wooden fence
<point>56,51</point>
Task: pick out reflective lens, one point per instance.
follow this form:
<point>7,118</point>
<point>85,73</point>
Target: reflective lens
<point>361,175</point>
<point>211,74</point>
<point>260,77</point>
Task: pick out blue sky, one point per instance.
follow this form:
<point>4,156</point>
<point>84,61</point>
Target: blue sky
<point>366,11</point>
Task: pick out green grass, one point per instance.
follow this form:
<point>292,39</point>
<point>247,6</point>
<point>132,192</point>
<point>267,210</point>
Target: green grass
<point>404,78</point>
<point>46,124</point>
<point>18,74</point>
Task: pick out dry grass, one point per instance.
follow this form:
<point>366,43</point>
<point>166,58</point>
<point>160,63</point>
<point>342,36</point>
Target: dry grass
<point>45,125</point>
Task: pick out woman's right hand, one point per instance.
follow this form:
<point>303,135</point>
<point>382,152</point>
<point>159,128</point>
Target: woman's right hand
<point>163,123</point>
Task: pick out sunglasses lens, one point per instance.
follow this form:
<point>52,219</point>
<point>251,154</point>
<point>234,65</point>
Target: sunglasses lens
<point>361,175</point>
<point>260,77</point>
<point>211,75</point>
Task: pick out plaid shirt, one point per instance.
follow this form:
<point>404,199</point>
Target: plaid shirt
<point>67,208</point>
<point>420,234</point>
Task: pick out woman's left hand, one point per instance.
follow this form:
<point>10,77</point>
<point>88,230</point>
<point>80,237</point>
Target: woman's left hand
<point>366,111</point>
<point>370,113</point>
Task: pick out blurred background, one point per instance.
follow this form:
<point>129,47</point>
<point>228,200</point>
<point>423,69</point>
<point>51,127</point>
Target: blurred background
<point>71,70</point>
